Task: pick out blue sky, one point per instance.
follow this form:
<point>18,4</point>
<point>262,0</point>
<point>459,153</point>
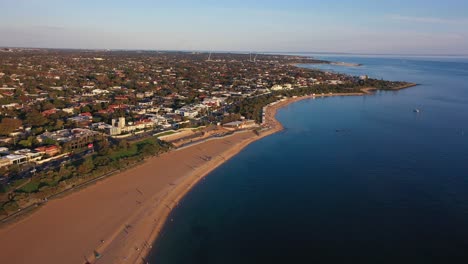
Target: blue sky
<point>359,26</point>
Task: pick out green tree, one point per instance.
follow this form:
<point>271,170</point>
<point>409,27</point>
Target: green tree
<point>59,124</point>
<point>102,147</point>
<point>96,107</point>
<point>35,119</point>
<point>64,172</point>
<point>47,106</point>
<point>85,109</point>
<point>87,166</point>
<point>26,143</point>
<point>148,149</point>
<point>9,125</point>
<point>59,103</point>
<point>124,144</point>
<point>49,141</point>
<point>102,160</point>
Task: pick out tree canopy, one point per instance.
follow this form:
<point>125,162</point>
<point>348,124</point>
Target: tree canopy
<point>8,125</point>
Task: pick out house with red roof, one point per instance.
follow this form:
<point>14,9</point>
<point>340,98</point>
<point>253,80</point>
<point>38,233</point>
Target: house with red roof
<point>48,150</point>
<point>49,112</point>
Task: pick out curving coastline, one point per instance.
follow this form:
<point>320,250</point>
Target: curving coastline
<point>272,126</point>
<point>121,217</point>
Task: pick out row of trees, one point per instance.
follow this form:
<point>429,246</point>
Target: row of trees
<point>108,156</point>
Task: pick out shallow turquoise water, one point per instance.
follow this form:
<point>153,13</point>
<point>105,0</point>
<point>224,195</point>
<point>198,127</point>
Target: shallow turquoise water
<point>390,187</point>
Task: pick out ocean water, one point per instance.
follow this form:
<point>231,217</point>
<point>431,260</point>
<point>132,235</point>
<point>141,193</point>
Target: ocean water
<point>350,179</point>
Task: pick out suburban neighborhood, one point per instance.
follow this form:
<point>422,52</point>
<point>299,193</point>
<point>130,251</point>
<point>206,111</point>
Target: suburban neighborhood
<point>61,111</point>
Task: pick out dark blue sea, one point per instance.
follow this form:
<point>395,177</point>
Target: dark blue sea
<point>391,186</point>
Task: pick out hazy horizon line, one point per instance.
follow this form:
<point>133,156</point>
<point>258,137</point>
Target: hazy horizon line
<point>246,52</point>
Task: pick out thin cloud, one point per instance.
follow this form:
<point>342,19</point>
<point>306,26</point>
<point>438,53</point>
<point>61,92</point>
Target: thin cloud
<point>429,20</point>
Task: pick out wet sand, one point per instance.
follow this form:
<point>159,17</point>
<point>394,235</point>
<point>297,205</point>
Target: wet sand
<point>121,216</point>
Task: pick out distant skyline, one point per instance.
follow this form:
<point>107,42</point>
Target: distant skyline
<point>361,26</point>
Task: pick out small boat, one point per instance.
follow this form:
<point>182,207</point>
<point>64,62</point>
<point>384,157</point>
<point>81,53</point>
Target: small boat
<point>416,110</point>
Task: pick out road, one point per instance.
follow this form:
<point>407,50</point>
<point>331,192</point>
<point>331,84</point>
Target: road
<point>29,170</point>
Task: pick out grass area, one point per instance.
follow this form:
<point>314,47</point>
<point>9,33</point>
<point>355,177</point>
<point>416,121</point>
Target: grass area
<point>50,182</point>
<point>125,153</point>
<point>133,149</point>
<point>36,184</point>
<point>17,183</point>
<point>30,187</point>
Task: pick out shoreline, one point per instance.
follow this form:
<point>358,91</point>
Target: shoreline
<point>408,85</point>
<point>345,64</point>
<point>274,127</point>
<point>334,63</point>
<point>101,214</point>
<point>131,207</point>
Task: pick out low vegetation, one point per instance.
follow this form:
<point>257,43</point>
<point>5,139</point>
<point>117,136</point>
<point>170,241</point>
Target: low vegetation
<point>108,157</point>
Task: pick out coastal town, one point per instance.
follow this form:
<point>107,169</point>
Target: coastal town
<point>233,132</point>
<point>70,116</point>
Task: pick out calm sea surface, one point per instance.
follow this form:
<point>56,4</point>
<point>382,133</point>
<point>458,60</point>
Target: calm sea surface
<point>390,187</point>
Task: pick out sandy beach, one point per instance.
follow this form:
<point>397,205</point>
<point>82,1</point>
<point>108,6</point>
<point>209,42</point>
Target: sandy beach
<point>121,216</point>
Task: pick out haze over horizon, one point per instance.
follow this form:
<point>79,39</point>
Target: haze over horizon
<point>416,27</point>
